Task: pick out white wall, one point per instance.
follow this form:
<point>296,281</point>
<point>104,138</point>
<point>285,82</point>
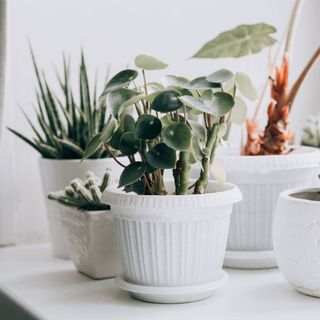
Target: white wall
<point>115,32</point>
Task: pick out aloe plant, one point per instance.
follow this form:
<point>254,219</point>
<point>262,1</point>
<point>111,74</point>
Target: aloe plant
<point>65,126</point>
<point>168,125</point>
<point>84,194</point>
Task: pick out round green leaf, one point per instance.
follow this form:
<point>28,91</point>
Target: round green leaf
<point>194,103</point>
<point>246,87</point>
<point>177,136</point>
<point>129,144</point>
<point>172,80</point>
<point>93,145</point>
<point>201,83</point>
<point>127,123</point>
<point>220,76</point>
<point>149,63</point>
<point>162,157</point>
<point>133,172</point>
<point>119,80</point>
<point>167,101</point>
<point>220,104</point>
<point>239,112</point>
<point>148,127</point>
<point>108,130</point>
<point>115,139</point>
<point>150,97</point>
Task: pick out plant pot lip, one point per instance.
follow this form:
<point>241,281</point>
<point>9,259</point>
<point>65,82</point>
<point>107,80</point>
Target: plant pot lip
<point>287,195</point>
<point>73,160</point>
<point>228,195</point>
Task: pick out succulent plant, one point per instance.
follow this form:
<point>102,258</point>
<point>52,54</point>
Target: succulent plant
<point>65,126</point>
<point>84,194</point>
<point>311,132</point>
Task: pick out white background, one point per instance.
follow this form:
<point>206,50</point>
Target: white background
<point>115,32</point>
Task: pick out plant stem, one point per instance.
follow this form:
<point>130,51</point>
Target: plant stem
<point>185,169</point>
<point>113,156</point>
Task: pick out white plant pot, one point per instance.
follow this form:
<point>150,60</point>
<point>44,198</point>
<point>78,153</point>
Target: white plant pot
<point>172,247</point>
<point>260,180</point>
<point>91,242</point>
<point>56,175</point>
<point>297,240</point>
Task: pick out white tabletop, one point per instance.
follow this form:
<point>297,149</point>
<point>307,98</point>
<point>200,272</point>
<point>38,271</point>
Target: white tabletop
<point>52,290</point>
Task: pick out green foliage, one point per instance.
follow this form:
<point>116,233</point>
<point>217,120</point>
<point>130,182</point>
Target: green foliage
<point>65,126</point>
<point>311,131</point>
<point>84,194</point>
<point>167,125</point>
<point>240,41</point>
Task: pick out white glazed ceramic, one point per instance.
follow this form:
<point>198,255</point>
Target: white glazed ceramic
<point>173,241</point>
<point>260,180</point>
<point>297,240</point>
<point>91,242</point>
<point>56,175</point>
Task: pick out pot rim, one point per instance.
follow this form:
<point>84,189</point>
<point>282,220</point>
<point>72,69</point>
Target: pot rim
<point>41,159</point>
<point>229,195</point>
<point>287,195</point>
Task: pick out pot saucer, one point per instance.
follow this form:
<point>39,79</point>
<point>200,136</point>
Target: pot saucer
<point>172,294</point>
<point>250,260</point>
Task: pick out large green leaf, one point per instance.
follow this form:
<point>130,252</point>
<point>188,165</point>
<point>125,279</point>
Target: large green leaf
<point>246,87</point>
<point>93,145</point>
<point>172,80</point>
<point>177,136</point>
<point>127,123</point>
<point>108,130</point>
<point>115,139</point>
<point>238,42</point>
<point>220,76</point>
<point>162,157</point>
<point>239,112</point>
<point>129,144</point>
<point>120,98</point>
<point>132,173</point>
<point>194,103</point>
<point>220,103</point>
<point>148,127</point>
<point>201,83</point>
<point>149,63</point>
<point>167,101</point>
<point>119,80</point>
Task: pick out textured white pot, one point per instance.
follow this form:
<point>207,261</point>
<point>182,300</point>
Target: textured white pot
<point>56,175</point>
<point>172,247</point>
<point>91,242</point>
<point>297,240</point>
<point>261,179</point>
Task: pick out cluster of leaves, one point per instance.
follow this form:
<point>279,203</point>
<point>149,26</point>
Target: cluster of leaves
<point>169,125</point>
<point>65,127</point>
<point>84,194</point>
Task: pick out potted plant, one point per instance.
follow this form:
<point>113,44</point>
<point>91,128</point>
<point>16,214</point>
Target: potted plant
<point>296,238</point>
<point>266,164</point>
<point>64,129</point>
<point>88,226</point>
<point>172,232</point>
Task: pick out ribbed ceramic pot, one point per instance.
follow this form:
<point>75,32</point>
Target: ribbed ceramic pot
<point>173,241</point>
<point>261,179</point>
<point>297,238</point>
<point>91,242</point>
<point>56,175</point>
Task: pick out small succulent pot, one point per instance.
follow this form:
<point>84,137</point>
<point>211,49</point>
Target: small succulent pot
<point>91,242</point>
<point>261,179</point>
<point>172,247</point>
<point>56,174</point>
<point>297,238</point>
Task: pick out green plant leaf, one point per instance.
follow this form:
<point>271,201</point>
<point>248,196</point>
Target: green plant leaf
<point>119,80</point>
<point>129,144</point>
<point>238,42</point>
<point>108,130</point>
<point>201,83</point>
<point>245,86</point>
<point>71,145</point>
<point>131,173</point>
<point>148,127</point>
<point>162,157</point>
<point>239,112</point>
<point>220,76</point>
<point>167,101</point>
<point>199,131</point>
<point>172,80</point>
<point>220,103</point>
<point>177,136</point>
<point>115,139</point>
<point>150,97</point>
<point>127,123</point>
<point>119,98</point>
<point>222,130</point>
<point>194,103</point>
<point>149,63</point>
<point>93,145</point>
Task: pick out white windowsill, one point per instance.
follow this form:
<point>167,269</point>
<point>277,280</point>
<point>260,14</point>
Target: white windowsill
<point>52,290</point>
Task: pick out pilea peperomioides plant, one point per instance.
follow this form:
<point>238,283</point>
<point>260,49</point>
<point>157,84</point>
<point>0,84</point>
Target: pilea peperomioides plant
<point>168,125</point>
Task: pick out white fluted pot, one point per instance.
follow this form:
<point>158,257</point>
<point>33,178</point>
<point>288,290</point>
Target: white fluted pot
<point>91,242</point>
<point>172,247</point>
<point>297,238</point>
<point>261,179</point>
<point>56,175</point>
